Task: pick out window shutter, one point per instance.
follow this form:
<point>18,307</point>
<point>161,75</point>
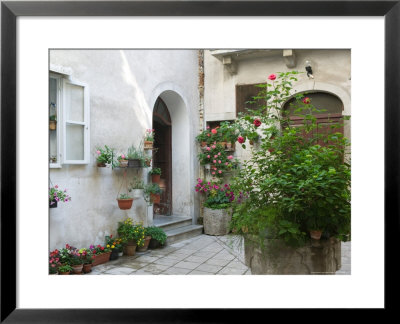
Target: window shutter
<point>244,93</point>
<point>76,115</point>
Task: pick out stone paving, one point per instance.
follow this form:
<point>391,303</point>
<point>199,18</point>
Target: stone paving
<point>201,255</point>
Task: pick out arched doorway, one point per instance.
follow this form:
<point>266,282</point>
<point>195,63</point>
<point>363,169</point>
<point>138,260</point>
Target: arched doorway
<point>162,155</point>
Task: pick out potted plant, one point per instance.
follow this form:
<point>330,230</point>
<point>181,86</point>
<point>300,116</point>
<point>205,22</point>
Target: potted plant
<point>203,137</point>
<point>137,186</point>
<point>149,139</point>
<point>217,206</point>
<point>135,157</point>
<point>64,269</point>
<point>56,195</point>
<point>124,202</point>
<point>111,244</point>
<point>123,161</point>
<point>53,122</point>
<point>131,236</point>
<point>147,238</point>
<point>158,236</point>
<point>87,258</point>
<point>155,175</point>
<point>152,192</point>
<point>76,262</point>
<point>54,262</point>
<point>104,156</point>
<point>101,254</point>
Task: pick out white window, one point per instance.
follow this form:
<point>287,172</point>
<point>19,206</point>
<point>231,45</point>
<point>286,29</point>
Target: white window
<point>69,102</point>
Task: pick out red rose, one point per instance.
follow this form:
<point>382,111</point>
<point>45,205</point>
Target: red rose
<point>240,139</point>
<point>257,122</point>
<point>272,77</point>
<point>306,100</point>
<point>102,248</point>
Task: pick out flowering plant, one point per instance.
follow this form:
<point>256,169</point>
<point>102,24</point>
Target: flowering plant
<point>218,196</point>
<point>105,155</point>
<point>65,255</point>
<point>121,157</point>
<point>98,249</point>
<point>54,261</point>
<point>218,158</point>
<point>56,194</point>
<point>113,243</point>
<point>129,231</point>
<point>86,255</point>
<point>149,135</point>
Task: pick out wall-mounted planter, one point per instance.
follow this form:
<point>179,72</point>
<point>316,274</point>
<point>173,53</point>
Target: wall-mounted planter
<point>123,163</point>
<point>125,203</point>
<point>53,204</point>
<point>101,165</point>
<point>155,178</point>
<point>155,198</point>
<point>148,145</point>
<point>136,163</point>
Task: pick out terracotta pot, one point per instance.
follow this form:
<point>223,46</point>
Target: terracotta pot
<point>53,125</point>
<point>123,163</point>
<point>155,198</point>
<point>101,165</point>
<point>87,267</point>
<point>77,269</point>
<point>129,250</point>
<point>316,235</point>
<point>125,203</point>
<point>146,244</point>
<point>101,258</point>
<point>148,145</point>
<point>155,178</point>
<point>228,146</point>
<point>65,273</point>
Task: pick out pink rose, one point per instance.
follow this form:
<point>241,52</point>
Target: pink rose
<point>272,77</point>
<point>230,157</point>
<point>219,153</point>
<point>219,161</point>
<point>220,171</point>
<point>215,156</point>
<point>123,156</point>
<point>208,156</point>
<point>213,146</point>
<point>226,163</point>
<point>208,148</point>
<point>213,172</point>
<point>214,161</point>
<point>214,131</point>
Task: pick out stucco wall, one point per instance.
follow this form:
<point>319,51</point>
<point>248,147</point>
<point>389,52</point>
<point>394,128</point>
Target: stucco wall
<point>124,85</point>
<point>331,70</point>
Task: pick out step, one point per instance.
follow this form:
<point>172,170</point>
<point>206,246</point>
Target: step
<point>183,233</point>
<point>170,222</point>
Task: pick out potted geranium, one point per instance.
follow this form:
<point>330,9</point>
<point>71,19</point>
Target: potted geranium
<point>152,192</point>
<point>158,236</point>
<point>149,139</point>
<point>155,175</point>
<point>87,258</point>
<point>124,201</point>
<point>104,156</point>
<point>56,195</point>
<point>217,206</point>
<point>76,262</point>
<point>136,187</point>
<point>54,262</point>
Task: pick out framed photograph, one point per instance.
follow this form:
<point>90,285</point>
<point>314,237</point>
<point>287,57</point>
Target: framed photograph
<point>52,54</point>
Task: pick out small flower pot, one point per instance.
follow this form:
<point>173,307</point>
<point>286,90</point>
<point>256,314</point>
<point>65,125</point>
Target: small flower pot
<point>135,163</point>
<point>53,125</point>
<point>148,145</point>
<point>101,165</point>
<point>114,254</point>
<point>315,234</point>
<point>146,244</point>
<point>137,193</point>
<point>87,267</point>
<point>129,249</point>
<point>123,163</point>
<point>120,253</point>
<point>155,198</point>
<point>53,204</point>
<point>77,269</point>
<point>65,273</point>
<point>125,203</point>
<point>155,178</point>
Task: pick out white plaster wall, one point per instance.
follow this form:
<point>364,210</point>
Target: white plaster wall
<point>124,85</point>
<point>331,69</point>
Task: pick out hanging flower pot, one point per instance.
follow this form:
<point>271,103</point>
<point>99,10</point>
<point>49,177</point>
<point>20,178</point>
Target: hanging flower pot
<point>53,204</point>
<point>148,145</point>
<point>125,203</point>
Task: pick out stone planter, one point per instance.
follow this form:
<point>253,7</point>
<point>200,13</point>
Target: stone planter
<point>316,257</point>
<point>137,193</point>
<point>216,221</point>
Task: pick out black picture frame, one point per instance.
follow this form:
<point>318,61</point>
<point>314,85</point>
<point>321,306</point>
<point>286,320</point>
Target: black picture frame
<point>10,10</point>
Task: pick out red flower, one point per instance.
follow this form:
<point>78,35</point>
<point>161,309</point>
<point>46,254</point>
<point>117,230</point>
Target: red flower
<point>111,236</point>
<point>306,100</point>
<point>257,122</point>
<point>102,248</point>
<point>214,131</point>
<point>272,77</point>
<point>240,139</point>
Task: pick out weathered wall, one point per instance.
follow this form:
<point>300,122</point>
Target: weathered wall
<point>331,69</point>
<point>124,85</point>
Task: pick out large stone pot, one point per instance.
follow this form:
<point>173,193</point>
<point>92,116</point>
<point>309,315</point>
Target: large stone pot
<point>216,221</point>
<point>316,257</point>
